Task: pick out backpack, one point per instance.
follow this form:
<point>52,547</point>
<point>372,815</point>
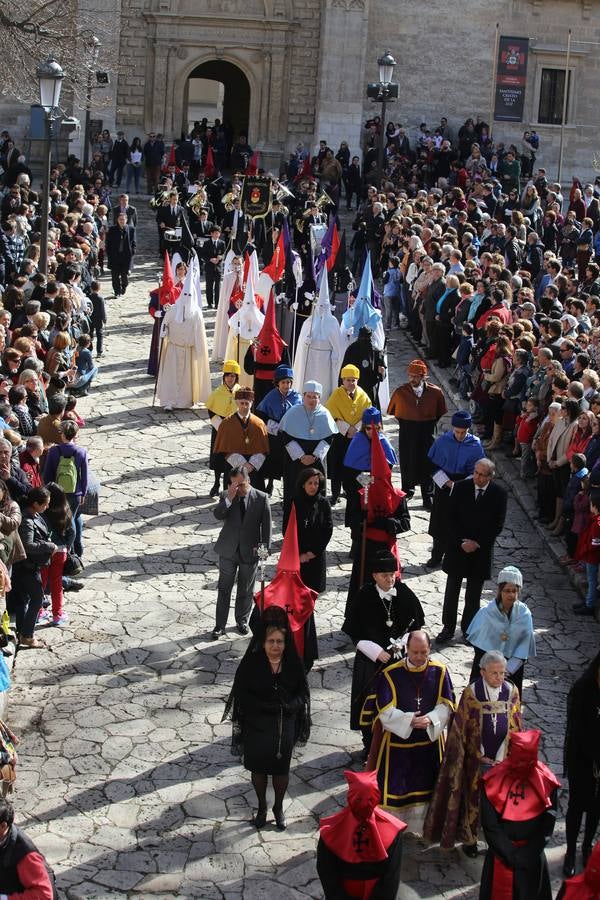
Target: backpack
<point>66,474</point>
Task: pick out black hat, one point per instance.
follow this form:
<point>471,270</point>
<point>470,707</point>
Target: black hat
<point>383,561</point>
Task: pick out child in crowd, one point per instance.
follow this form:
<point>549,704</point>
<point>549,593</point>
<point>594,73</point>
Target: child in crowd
<point>463,360</point>
<point>588,551</point>
<point>525,429</point>
<point>577,482</point>
<point>392,279</point>
<point>86,370</point>
<point>97,318</point>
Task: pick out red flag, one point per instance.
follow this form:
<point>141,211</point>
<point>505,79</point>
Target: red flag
<point>168,292</point>
<point>306,170</point>
<point>287,590</point>
<point>276,268</point>
<point>209,166</point>
<point>252,167</point>
<point>335,246</point>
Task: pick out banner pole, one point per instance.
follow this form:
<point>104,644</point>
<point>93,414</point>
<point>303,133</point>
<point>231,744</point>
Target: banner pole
<point>564,110</point>
<point>494,75</point>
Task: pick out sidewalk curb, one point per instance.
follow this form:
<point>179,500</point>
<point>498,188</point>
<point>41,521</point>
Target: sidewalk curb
<point>509,473</point>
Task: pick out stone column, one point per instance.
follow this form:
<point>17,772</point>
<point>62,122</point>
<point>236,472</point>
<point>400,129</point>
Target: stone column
<point>342,85</point>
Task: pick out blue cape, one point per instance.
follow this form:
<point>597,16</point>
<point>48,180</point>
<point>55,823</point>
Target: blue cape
<point>456,457</point>
<point>297,422</point>
<point>275,405</point>
<point>489,624</point>
<point>358,454</point>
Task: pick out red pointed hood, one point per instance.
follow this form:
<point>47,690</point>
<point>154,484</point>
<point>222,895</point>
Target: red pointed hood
<point>361,832</point>
<point>383,496</point>
<point>519,787</point>
<point>276,268</point>
<point>168,292</point>
<point>287,589</point>
<point>586,885</point>
<point>270,345</point>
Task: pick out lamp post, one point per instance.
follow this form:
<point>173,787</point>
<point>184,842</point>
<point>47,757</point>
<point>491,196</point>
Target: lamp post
<point>94,46</point>
<point>50,77</point>
<point>386,65</point>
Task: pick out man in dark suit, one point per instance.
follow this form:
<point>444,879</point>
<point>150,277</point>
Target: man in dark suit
<point>120,250</point>
<point>213,252</point>
<point>168,217</point>
<point>246,517</point>
<point>124,206</point>
<point>236,228</point>
<point>118,159</point>
<point>512,250</point>
<point>477,513</point>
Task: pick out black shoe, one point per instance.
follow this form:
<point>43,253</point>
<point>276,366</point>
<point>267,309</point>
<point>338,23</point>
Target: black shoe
<point>280,819</point>
<point>581,609</point>
<point>569,864</point>
<point>217,633</point>
<point>243,628</point>
<point>409,495</point>
<point>214,489</point>
<point>74,586</point>
<point>470,850</point>
<point>7,651</point>
<point>445,635</point>
<point>260,818</point>
<point>433,562</point>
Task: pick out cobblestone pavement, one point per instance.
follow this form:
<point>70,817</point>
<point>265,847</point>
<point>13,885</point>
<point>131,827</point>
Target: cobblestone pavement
<point>126,780</point>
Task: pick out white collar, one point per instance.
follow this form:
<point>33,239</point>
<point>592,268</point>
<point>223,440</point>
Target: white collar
<point>419,390</point>
<point>387,595</point>
<point>491,693</point>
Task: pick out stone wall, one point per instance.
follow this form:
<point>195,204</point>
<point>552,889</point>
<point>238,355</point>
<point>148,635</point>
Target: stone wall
<point>445,65</point>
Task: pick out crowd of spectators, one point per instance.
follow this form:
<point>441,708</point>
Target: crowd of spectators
<point>47,323</point>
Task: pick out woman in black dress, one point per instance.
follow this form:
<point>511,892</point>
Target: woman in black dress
<point>582,763</point>
<point>314,520</point>
<point>384,609</point>
<point>270,710</point>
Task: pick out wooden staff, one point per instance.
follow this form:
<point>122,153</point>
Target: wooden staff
<point>366,480</point>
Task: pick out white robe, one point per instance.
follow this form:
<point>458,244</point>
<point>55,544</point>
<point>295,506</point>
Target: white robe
<point>182,377</point>
<point>222,318</point>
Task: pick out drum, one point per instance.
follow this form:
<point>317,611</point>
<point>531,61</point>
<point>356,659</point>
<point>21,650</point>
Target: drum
<point>170,235</point>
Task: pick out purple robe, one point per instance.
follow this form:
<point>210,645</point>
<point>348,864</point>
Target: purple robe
<point>407,769</point>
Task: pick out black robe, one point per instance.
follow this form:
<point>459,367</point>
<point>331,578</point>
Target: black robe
<point>333,871</point>
<point>292,468</point>
<point>270,713</point>
<point>315,527</point>
<point>582,744</point>
<point>366,621</point>
<point>531,879</point>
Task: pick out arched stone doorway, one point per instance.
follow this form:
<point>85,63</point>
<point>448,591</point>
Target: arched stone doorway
<point>235,111</point>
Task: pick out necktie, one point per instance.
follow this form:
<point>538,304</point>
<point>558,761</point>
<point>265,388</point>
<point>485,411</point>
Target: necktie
<point>242,507</point>
<point>479,494</point>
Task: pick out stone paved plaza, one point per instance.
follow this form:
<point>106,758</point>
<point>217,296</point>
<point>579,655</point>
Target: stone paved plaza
<point>126,780</point>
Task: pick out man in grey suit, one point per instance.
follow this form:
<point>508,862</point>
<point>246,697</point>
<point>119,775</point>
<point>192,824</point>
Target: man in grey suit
<point>246,517</point>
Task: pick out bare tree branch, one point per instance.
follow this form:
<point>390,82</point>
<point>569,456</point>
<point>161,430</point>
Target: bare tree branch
<point>50,27</point>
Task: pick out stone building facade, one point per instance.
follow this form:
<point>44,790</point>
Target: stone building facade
<point>305,66</point>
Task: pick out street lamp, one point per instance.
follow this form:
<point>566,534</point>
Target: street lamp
<point>50,76</point>
<point>383,92</point>
<point>94,47</point>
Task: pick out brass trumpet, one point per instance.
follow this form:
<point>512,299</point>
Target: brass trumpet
<point>198,201</point>
<point>324,200</point>
<point>161,199</point>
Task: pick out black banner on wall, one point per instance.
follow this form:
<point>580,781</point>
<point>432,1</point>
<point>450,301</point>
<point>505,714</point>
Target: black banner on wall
<point>511,77</point>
